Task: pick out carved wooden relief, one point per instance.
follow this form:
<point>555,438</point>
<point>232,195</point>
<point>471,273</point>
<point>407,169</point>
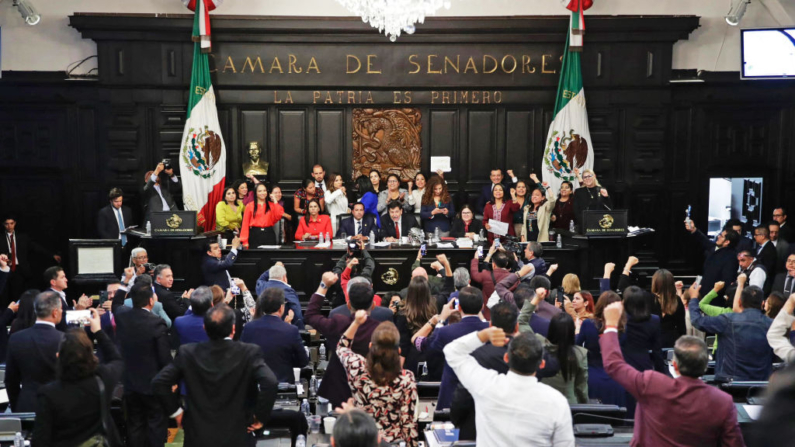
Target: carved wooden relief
<point>387,140</point>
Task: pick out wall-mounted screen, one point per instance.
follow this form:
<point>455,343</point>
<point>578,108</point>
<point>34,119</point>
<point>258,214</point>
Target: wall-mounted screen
<point>768,53</point>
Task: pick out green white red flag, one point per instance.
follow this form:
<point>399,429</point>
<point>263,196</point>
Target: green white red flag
<point>568,144</point>
<point>203,154</point>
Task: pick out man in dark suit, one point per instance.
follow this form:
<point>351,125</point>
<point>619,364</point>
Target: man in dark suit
<point>397,225</point>
<point>56,278</point>
<point>276,277</point>
<point>784,283</point>
<point>335,383</point>
<point>470,301</point>
<point>216,270</point>
<point>114,218</point>
<point>161,185</point>
<point>743,242</point>
<point>786,232</point>
<point>32,358</point>
<point>783,248</point>
<point>765,250</point>
<point>359,225</point>
<point>144,344</point>
<point>222,378</point>
<point>19,248</point>
<point>279,341</point>
<point>190,327</point>
<point>496,177</point>
<point>174,305</point>
<point>720,257</point>
<point>664,402</point>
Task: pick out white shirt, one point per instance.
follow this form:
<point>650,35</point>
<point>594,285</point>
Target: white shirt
<point>63,297</point>
<point>513,410</point>
<point>415,199</point>
<point>166,207</point>
<point>756,278</point>
<point>323,185</point>
<point>337,204</point>
<point>9,237</point>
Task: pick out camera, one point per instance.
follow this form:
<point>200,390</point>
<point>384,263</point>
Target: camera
<point>511,245</point>
<point>354,249</point>
<point>149,267</point>
<point>166,163</point>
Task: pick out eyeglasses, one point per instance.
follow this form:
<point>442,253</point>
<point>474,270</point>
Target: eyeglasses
<point>790,261</point>
<point>587,176</point>
<point>778,215</point>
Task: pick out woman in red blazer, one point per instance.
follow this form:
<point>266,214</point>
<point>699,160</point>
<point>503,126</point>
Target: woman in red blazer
<point>313,223</point>
<point>501,210</point>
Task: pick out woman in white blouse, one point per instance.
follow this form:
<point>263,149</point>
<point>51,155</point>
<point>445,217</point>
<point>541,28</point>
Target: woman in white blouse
<point>336,200</point>
<point>415,196</point>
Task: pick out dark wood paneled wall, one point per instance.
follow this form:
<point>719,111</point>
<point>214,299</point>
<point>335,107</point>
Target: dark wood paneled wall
<point>64,144</point>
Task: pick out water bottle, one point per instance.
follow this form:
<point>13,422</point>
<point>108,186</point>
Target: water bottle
<point>437,234</point>
<point>571,226</point>
<point>306,348</point>
<point>320,238</point>
<point>312,386</point>
<point>372,238</point>
<point>482,234</point>
<point>559,243</point>
<point>19,441</point>
<point>425,369</point>
<point>328,238</point>
<point>148,227</point>
<point>300,441</point>
<point>322,352</point>
<point>218,239</point>
<point>305,408</point>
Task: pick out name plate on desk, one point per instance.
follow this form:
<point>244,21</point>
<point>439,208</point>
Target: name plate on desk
<point>173,223</point>
<point>605,223</point>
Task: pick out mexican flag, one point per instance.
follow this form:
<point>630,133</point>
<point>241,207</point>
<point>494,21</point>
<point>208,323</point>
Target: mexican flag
<point>203,154</point>
<point>568,144</point>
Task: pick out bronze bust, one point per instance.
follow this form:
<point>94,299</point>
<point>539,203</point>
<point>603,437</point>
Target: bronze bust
<point>255,165</point>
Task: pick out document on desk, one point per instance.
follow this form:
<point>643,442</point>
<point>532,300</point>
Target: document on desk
<point>270,247</point>
<point>382,244</point>
<point>498,228</point>
<point>444,245</point>
<point>753,411</point>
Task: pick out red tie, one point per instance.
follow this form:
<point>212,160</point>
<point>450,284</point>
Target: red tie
<point>13,253</point>
<point>397,231</point>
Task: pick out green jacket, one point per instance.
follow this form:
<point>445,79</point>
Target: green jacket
<point>712,311</point>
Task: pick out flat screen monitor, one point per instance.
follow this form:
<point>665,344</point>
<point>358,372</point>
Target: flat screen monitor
<point>768,53</point>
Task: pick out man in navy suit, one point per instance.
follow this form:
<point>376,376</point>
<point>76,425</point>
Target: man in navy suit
<point>31,360</point>
<point>114,217</point>
<point>397,225</point>
<point>190,327</point>
<point>279,341</point>
<point>56,278</point>
<point>276,277</point>
<point>766,254</point>
<point>470,301</point>
<point>359,225</point>
<point>485,193</point>
<point>216,270</point>
<point>144,343</point>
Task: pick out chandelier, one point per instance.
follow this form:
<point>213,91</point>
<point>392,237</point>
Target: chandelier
<point>392,17</point>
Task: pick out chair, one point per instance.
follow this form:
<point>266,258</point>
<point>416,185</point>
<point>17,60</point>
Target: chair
<point>742,390</point>
<point>428,389</point>
<point>340,218</point>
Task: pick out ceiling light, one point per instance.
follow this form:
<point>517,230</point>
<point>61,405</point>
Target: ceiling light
<point>28,12</point>
<point>737,12</point>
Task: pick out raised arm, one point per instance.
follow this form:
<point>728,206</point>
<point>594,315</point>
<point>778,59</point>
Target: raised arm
<point>777,334</point>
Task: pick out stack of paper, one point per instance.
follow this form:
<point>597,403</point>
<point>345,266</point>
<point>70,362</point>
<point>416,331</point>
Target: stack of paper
<point>464,242</point>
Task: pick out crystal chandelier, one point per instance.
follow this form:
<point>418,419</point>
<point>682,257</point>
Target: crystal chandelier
<point>394,16</point>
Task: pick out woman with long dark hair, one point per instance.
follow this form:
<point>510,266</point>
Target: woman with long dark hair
<point>563,213</point>
<point>26,314</point>
<point>229,212</point>
<point>437,207</point>
<point>499,209</point>
<point>304,195</point>
<point>393,193</point>
<point>600,385</point>
<point>572,379</point>
<point>380,386</point>
<point>69,410</point>
<point>258,220</point>
<point>536,214</point>
<point>375,179</point>
<point>368,197</point>
<point>244,193</point>
<point>519,195</point>
<point>415,195</point>
<point>313,224</point>
<point>416,310</point>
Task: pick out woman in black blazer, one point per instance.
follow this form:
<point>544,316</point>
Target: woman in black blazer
<point>465,224</point>
<point>69,411</point>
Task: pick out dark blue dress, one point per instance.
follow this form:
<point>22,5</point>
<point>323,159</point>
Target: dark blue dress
<point>600,385</point>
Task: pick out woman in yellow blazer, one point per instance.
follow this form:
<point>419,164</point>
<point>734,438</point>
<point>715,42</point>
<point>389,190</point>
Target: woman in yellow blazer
<point>229,212</point>
<point>536,214</point>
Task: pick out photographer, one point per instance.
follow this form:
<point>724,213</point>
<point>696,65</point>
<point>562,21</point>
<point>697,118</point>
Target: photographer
<point>139,265</point>
<point>488,278</point>
<point>160,186</point>
<point>365,265</point>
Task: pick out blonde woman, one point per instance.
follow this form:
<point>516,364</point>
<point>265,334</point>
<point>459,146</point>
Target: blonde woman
<point>536,214</point>
<point>336,200</point>
<point>590,196</point>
